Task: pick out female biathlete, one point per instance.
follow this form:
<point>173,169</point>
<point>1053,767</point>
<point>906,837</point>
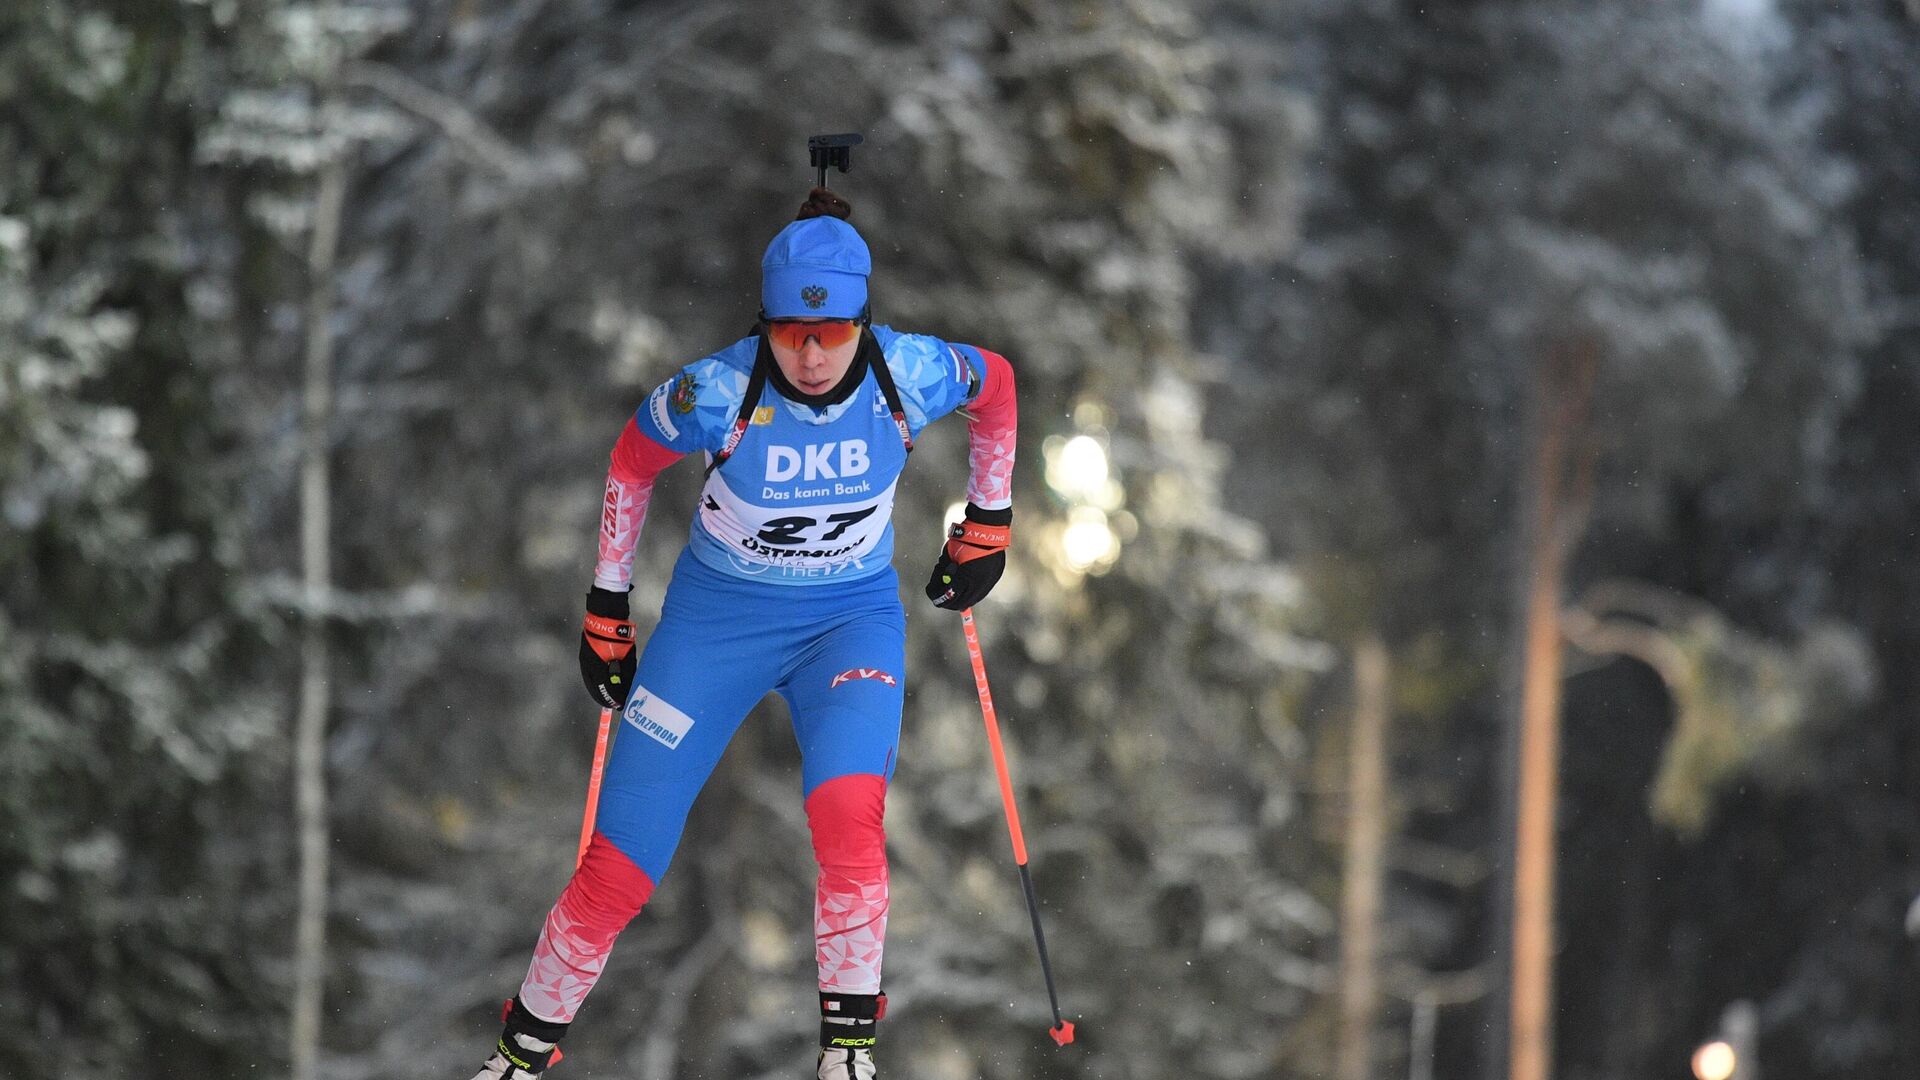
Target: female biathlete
<point>786,584</point>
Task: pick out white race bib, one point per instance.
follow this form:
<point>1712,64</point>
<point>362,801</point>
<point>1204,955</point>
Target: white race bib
<point>813,536</point>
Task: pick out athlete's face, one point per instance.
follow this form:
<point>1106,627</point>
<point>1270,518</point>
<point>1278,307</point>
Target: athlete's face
<point>813,368</point>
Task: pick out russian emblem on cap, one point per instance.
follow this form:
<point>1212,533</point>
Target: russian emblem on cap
<point>814,296</point>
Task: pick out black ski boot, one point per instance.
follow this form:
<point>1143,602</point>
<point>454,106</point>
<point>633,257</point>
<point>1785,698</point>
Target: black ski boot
<point>526,1047</point>
<point>848,1023</point>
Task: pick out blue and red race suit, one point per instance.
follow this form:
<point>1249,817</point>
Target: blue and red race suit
<point>786,585</point>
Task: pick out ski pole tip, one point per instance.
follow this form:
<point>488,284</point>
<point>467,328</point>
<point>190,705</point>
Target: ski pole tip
<point>1063,1033</point>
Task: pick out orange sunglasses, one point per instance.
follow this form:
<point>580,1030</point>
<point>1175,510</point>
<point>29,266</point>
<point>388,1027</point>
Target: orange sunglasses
<point>793,333</point>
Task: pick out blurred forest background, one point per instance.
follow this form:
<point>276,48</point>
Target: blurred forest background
<point>1343,326</point>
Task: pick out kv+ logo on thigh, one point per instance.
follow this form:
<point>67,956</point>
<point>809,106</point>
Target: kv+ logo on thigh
<point>852,674</point>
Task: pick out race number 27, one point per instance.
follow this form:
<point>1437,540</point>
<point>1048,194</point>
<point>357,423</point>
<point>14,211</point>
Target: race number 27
<point>793,529</point>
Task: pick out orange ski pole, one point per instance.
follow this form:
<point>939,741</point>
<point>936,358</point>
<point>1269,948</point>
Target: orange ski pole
<point>593,783</point>
<point>1062,1030</point>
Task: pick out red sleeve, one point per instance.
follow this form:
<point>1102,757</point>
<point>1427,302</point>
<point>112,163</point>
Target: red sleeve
<point>992,418</point>
<point>636,460</point>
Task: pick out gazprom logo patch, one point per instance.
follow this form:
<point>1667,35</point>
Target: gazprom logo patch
<point>657,405</point>
<point>656,718</point>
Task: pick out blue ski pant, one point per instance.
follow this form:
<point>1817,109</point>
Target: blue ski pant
<point>835,652</point>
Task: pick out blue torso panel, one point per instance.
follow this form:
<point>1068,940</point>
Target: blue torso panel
<point>807,495</point>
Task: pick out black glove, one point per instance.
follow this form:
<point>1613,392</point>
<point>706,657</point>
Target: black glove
<point>606,648</point>
<point>974,558</point>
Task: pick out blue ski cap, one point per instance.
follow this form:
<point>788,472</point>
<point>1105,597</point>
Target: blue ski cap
<point>815,269</point>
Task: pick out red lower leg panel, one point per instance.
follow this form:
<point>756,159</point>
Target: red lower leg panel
<point>606,892</point>
<point>850,902</point>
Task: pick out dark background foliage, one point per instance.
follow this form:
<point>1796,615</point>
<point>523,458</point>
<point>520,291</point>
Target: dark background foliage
<point>1294,269</point>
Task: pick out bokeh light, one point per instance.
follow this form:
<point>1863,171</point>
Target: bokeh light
<point>1088,542</point>
<point>1714,1061</point>
<point>1078,468</point>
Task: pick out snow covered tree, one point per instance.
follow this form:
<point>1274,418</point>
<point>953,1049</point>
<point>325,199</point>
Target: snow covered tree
<point>1670,254</point>
<point>135,726</point>
<point>1036,181</point>
<point>1620,195</point>
<point>1278,281</point>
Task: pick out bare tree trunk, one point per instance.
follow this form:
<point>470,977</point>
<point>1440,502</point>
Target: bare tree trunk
<point>309,748</point>
<point>1553,521</point>
<point>1530,1052</point>
<point>1420,1041</point>
<point>1365,858</point>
